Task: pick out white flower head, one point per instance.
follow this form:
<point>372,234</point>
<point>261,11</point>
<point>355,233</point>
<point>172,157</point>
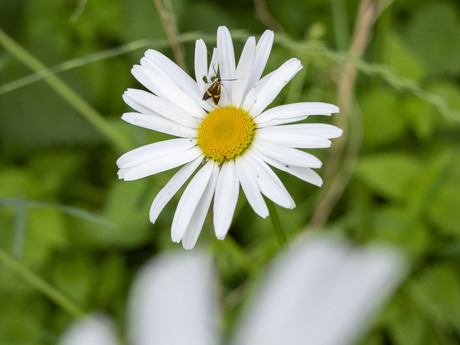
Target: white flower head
<point>224,131</point>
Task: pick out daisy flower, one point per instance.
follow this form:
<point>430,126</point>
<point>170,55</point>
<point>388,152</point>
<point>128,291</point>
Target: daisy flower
<point>224,132</point>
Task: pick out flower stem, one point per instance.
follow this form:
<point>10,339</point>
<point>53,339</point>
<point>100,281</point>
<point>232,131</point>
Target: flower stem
<point>276,223</point>
<point>91,114</point>
<point>48,290</point>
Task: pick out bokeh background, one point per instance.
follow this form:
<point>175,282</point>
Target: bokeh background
<point>392,66</point>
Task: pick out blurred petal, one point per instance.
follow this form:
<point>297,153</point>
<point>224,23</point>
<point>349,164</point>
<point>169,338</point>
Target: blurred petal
<point>322,293</point>
<point>172,302</point>
<point>93,330</point>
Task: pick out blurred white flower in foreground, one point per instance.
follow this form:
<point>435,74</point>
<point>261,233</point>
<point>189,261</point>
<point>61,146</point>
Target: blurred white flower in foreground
<point>322,293</point>
<point>232,133</point>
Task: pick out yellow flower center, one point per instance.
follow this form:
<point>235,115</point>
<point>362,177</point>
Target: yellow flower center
<point>225,133</point>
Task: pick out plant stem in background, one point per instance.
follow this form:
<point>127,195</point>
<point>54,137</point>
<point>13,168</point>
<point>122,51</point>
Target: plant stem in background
<point>168,20</point>
<point>91,114</point>
<point>48,290</point>
<point>339,171</point>
<point>265,16</point>
<point>276,223</point>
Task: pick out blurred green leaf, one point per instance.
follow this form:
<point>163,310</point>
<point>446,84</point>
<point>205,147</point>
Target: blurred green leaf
<point>73,275</point>
<point>45,234</point>
<point>436,293</point>
<point>403,62</point>
<point>21,321</point>
<point>384,121</point>
<point>433,34</point>
<point>444,206</point>
<point>389,173</point>
<point>390,226</point>
<point>407,326</point>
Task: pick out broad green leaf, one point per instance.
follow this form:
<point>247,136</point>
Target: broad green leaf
<point>384,120</point>
<point>16,182</point>
<point>404,323</point>
<point>436,294</point>
<point>401,60</point>
<point>433,34</point>
<point>389,174</point>
<point>128,205</point>
<point>44,234</point>
<point>22,320</point>
<point>73,275</point>
<point>390,225</point>
<point>106,285</point>
<point>423,118</point>
<point>444,206</point>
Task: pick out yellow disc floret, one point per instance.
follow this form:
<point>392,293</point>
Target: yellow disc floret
<point>225,133</point>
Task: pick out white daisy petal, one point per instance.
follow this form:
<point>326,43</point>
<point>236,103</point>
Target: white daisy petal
<point>293,112</point>
<point>171,188</point>
<point>189,201</point>
<point>307,129</point>
<point>303,135</point>
<point>196,223</point>
<point>159,124</point>
<point>147,103</point>
<point>292,140</point>
<point>225,200</point>
<point>270,185</point>
<point>245,65</point>
<point>201,64</point>
<point>165,163</point>
<point>183,81</point>
<point>263,49</point>
<point>287,155</point>
<point>224,96</point>
<point>154,151</point>
<point>226,55</point>
<point>158,82</point>
<point>214,65</point>
<point>303,173</point>
<point>246,176</point>
<point>261,95</point>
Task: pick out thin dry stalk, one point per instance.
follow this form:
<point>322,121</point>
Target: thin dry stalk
<point>168,20</point>
<point>338,171</point>
<point>265,17</point>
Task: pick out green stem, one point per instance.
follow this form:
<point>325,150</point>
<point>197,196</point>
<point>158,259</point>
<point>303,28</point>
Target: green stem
<point>96,119</point>
<point>238,254</point>
<point>276,223</point>
<point>48,290</point>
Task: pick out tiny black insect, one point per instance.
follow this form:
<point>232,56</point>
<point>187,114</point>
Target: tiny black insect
<point>214,91</point>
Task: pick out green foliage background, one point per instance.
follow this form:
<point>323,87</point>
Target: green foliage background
<point>66,218</point>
